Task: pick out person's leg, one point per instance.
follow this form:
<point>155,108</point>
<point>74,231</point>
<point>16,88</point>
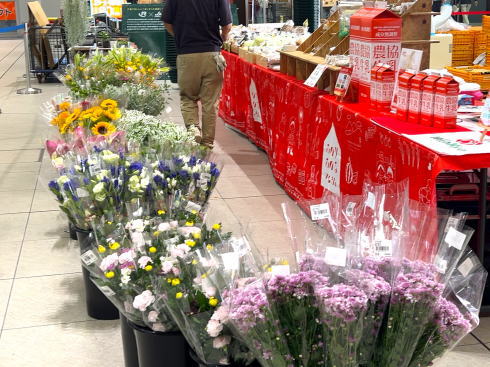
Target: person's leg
<point>189,79</point>
<point>212,83</point>
<point>465,7</point>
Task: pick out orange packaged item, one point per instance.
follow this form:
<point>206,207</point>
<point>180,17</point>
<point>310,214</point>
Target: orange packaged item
<point>428,93</point>
<point>415,98</point>
<point>446,102</point>
<point>403,95</point>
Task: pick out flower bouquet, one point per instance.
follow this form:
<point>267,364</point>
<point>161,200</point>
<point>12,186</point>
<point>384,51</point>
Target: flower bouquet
<point>148,99</point>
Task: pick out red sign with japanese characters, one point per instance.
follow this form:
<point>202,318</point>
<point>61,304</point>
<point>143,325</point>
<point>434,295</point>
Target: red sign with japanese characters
<point>375,38</point>
<point>7,10</point>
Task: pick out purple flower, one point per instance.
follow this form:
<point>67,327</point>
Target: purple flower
<point>248,306</point>
<point>342,301</point>
<point>53,185</point>
<point>313,262</point>
<point>136,166</point>
<point>416,287</point>
<point>373,286</point>
<point>297,285</point>
<point>451,323</point>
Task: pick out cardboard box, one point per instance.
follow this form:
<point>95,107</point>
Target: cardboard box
<point>428,94</point>
<point>415,98</point>
<point>373,93</point>
<point>403,95</point>
<point>446,102</point>
<point>246,55</point>
<point>386,86</point>
<point>375,37</point>
<point>234,48</point>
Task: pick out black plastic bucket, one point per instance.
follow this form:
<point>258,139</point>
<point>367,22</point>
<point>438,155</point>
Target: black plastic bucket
<point>129,343</point>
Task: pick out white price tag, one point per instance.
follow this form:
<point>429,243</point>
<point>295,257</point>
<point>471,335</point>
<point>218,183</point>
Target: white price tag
<point>88,257</point>
<point>441,265</point>
<point>231,261</point>
<point>107,291</point>
<point>336,256</point>
<point>192,206</point>
<point>320,211</point>
<point>455,238</point>
<point>82,193</point>
<point>383,247</point>
<point>466,267</point>
<point>205,176</point>
<point>350,209</point>
<point>370,201</point>
<point>316,75</point>
<point>280,270</point>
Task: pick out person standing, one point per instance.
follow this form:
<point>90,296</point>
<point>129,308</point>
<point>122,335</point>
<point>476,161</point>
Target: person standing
<point>195,25</point>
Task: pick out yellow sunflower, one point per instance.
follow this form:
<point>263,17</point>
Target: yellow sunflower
<point>64,106</point>
<point>65,127</point>
<point>97,113</point>
<point>108,104</point>
<point>113,114</point>
<point>73,116</point>
<point>103,128</point>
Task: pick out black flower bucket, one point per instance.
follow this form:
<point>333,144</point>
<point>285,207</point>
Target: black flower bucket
<point>98,305</point>
<point>130,349</point>
<point>157,349</point>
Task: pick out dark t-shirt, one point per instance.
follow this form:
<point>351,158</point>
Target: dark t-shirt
<point>196,23</point>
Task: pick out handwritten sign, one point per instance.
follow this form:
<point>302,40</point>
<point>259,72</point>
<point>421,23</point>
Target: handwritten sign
<point>331,163</point>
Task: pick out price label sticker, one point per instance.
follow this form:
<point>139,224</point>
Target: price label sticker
<point>192,206</point>
<point>336,256</point>
<point>82,193</point>
<point>280,270</point>
<point>205,176</point>
<point>107,291</point>
<point>231,261</point>
<point>441,265</point>
<point>466,267</point>
<point>320,211</point>
<point>455,238</point>
<point>88,257</point>
<point>316,75</point>
<point>383,247</point>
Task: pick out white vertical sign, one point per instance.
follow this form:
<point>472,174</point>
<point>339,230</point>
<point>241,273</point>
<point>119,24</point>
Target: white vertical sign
<point>331,162</point>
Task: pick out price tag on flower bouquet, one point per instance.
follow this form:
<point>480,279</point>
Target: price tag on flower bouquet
<point>205,176</point>
<point>107,291</point>
<point>82,193</point>
<point>336,256</point>
<point>280,270</point>
<point>320,211</point>
<point>88,257</point>
<point>231,261</point>
<point>383,247</point>
<point>455,238</point>
<point>441,265</point>
<point>191,206</point>
<point>466,267</point>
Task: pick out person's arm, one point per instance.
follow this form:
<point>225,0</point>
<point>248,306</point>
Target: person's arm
<point>170,28</point>
<point>168,16</point>
<point>225,20</point>
<point>225,31</point>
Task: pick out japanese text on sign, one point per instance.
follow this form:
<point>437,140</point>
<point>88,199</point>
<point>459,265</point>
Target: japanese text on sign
<point>7,10</point>
<point>142,18</point>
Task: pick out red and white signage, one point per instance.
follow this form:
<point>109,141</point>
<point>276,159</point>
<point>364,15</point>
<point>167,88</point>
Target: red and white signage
<point>375,38</point>
<point>403,95</point>
<point>428,94</point>
<point>446,102</point>
<point>415,98</point>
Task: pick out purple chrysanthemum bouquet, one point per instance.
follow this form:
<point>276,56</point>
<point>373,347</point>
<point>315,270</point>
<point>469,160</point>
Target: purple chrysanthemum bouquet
<point>251,317</point>
<point>412,306</point>
<point>293,298</point>
<point>343,309</point>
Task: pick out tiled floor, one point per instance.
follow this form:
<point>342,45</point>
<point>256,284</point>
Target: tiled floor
<point>42,317</point>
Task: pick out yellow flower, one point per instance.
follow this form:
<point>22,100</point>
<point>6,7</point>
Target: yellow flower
<point>196,235</point>
<point>194,211</point>
<point>68,77</point>
<point>109,222</point>
<point>64,106</point>
<point>156,233</point>
<point>113,114</point>
<point>190,243</point>
<point>195,262</point>
<point>179,295</point>
<point>148,267</point>
<point>189,224</point>
<point>175,281</point>
<point>73,116</point>
<point>101,249</point>
<point>152,249</point>
<point>114,245</point>
<point>169,280</point>
<point>217,226</point>
<point>103,128</point>
<point>284,262</point>
<point>213,302</point>
<point>209,247</point>
<point>110,274</point>
<point>65,127</point>
<point>269,269</point>
<point>204,276</point>
<point>63,115</point>
<point>108,104</point>
<point>161,212</point>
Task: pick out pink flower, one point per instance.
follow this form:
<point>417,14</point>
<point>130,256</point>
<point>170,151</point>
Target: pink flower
<point>221,341</point>
<point>143,261</point>
<point>109,262</point>
<point>167,266</point>
<point>142,301</point>
<point>214,327</point>
<point>152,316</point>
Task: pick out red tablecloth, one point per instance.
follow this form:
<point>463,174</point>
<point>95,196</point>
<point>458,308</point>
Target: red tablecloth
<point>315,142</point>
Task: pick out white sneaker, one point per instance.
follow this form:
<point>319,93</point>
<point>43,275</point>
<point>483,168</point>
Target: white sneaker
<point>197,133</point>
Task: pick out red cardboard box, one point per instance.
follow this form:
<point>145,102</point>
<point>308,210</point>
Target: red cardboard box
<point>374,85</point>
<point>415,98</point>
<point>403,95</point>
<point>375,37</point>
<point>446,102</point>
<point>386,86</point>
<point>428,94</point>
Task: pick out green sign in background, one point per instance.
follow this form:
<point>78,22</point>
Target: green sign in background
<point>142,23</point>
